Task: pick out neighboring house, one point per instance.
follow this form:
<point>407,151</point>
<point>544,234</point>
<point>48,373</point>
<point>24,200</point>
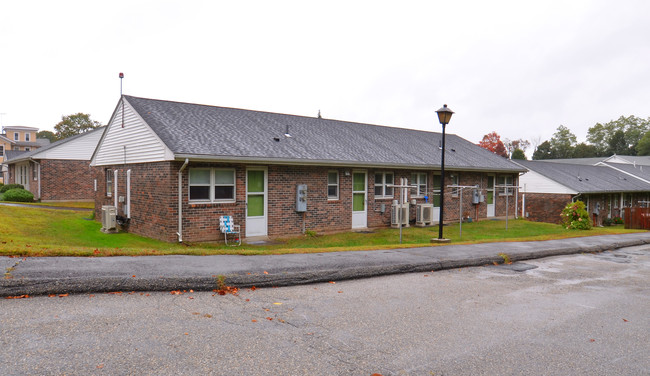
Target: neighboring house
<point>619,159</point>
<point>174,168</point>
<point>58,172</point>
<point>549,186</point>
<point>17,139</point>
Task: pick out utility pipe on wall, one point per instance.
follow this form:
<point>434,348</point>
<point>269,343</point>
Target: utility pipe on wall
<point>180,201</point>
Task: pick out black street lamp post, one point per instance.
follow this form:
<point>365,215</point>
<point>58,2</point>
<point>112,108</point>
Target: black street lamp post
<point>444,115</point>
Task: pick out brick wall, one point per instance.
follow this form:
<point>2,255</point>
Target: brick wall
<point>545,207</point>
<point>154,200</point>
<point>66,180</point>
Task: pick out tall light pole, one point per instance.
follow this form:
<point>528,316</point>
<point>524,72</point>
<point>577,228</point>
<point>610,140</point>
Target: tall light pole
<point>444,115</point>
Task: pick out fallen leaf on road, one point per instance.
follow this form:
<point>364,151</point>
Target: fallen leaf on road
<point>17,297</point>
<point>253,320</point>
<point>62,295</point>
<point>277,303</point>
<point>265,272</point>
<point>624,320</point>
<point>332,282</point>
<point>100,366</point>
<point>133,276</point>
<point>592,340</point>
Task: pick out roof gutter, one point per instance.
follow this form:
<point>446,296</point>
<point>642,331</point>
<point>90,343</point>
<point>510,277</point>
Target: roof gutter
<point>180,201</point>
<point>322,162</point>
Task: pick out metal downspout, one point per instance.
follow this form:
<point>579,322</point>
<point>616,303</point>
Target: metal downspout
<point>180,201</point>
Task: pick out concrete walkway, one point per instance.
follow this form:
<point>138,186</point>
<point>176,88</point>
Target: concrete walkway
<point>57,275</point>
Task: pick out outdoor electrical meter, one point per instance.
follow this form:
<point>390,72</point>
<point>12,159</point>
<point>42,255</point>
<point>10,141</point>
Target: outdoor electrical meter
<point>476,197</point>
<point>301,198</point>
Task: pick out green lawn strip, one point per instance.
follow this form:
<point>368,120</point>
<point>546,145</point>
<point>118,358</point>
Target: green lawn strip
<point>42,232</point>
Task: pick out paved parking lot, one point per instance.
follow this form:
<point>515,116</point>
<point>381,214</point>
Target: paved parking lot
<point>583,314</point>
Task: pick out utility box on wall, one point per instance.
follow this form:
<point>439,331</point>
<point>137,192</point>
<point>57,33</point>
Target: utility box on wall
<point>301,198</point>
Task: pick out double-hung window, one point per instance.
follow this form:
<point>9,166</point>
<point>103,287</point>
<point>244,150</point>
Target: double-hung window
<point>27,137</point>
<point>505,180</point>
<point>455,180</point>
<point>333,185</point>
<point>419,179</point>
<point>382,182</point>
<point>212,184</point>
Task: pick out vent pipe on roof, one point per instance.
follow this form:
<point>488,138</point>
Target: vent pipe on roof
<point>286,133</point>
<point>320,117</point>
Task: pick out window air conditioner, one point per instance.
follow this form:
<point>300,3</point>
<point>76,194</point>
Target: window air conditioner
<point>423,215</point>
<point>109,223</point>
<point>395,215</point>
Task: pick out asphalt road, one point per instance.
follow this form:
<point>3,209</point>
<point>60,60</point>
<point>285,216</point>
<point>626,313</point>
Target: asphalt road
<point>582,314</point>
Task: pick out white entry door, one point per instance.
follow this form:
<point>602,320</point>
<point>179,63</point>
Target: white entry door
<point>489,197</point>
<point>256,202</point>
<point>359,199</point>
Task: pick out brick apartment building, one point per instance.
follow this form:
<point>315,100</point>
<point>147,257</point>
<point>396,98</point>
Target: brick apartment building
<point>549,185</point>
<point>59,171</point>
<point>174,168</point>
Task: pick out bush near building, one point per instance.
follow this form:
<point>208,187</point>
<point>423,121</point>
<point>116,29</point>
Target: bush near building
<point>18,195</point>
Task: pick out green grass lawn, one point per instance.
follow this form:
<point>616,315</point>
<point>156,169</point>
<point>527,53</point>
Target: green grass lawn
<point>45,232</point>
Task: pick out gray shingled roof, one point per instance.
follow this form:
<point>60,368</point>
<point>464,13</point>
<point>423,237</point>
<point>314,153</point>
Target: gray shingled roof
<point>642,171</point>
<point>200,130</point>
<point>587,179</point>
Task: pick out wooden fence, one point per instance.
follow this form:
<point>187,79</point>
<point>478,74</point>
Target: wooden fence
<point>637,218</point>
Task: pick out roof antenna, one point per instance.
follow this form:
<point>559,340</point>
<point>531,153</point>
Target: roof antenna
<point>121,79</point>
<point>320,117</point>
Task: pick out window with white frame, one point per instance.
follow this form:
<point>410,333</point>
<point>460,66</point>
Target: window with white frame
<point>332,185</point>
<point>109,183</point>
<point>455,180</point>
<point>27,137</point>
<point>505,180</point>
<point>16,136</point>
<point>382,182</point>
<point>419,179</point>
<point>34,171</point>
<point>212,184</point>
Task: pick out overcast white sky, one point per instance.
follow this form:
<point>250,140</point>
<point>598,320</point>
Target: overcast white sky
<point>520,68</point>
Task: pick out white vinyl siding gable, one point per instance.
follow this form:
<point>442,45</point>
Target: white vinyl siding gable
<point>81,148</point>
<point>534,182</point>
<point>134,143</point>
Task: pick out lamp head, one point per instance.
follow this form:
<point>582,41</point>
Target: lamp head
<point>444,115</point>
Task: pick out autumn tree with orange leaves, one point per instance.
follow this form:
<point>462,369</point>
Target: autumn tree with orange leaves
<point>492,142</point>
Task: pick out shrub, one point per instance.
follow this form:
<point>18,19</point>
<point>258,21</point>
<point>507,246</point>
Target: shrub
<point>608,222</point>
<point>574,216</point>
<point>18,195</point>
<point>7,187</point>
<point>617,220</point>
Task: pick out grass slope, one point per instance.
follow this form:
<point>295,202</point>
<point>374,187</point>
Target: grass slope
<point>47,232</point>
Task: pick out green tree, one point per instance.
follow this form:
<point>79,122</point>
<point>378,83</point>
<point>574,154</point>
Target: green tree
<point>544,151</point>
<point>643,147</point>
<point>518,154</point>
<point>46,134</point>
<point>563,142</point>
<point>512,145</point>
<point>633,128</point>
<point>583,150</point>
<point>618,145</point>
<point>74,124</point>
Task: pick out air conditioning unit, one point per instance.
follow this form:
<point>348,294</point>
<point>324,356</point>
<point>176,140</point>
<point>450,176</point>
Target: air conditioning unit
<point>423,215</point>
<point>397,212</point>
<point>109,223</point>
